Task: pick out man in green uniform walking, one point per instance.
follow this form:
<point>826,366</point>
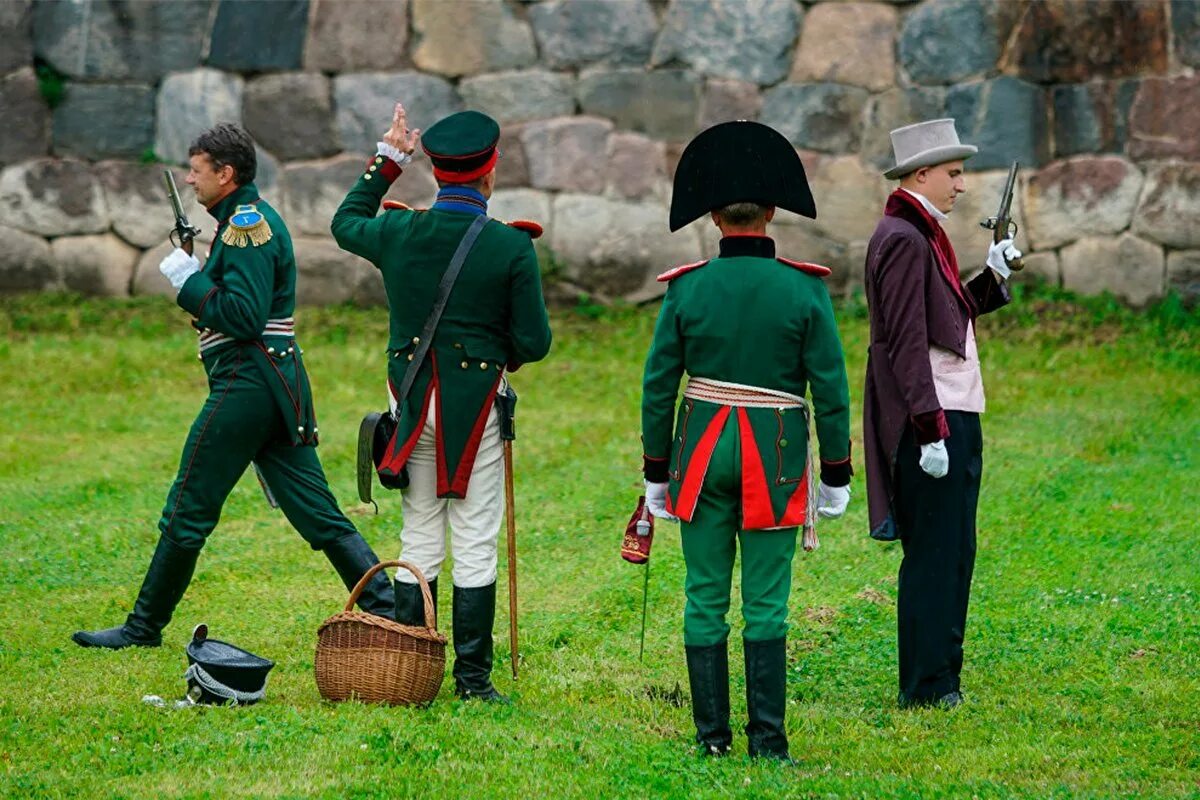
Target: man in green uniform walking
<point>447,435</point>
<point>259,407</point>
<point>753,332</point>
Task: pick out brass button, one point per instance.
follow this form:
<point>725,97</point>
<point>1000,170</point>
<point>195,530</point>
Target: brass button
<point>367,176</point>
<point>378,159</point>
<point>416,340</point>
<point>373,168</point>
<point>483,365</point>
<point>783,442</point>
<point>458,345</point>
<point>300,429</point>
<point>271,350</point>
<point>464,365</point>
<point>411,356</point>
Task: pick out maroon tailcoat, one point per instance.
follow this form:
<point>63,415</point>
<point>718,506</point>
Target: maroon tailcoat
<point>915,300</point>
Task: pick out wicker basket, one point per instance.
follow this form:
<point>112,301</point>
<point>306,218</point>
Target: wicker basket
<point>376,660</point>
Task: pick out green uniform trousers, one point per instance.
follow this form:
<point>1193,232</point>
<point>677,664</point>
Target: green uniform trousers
<point>709,547</point>
<point>240,423</point>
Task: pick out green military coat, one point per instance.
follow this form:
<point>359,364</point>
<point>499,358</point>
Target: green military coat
<point>752,319</point>
<point>495,317</point>
<point>246,295</point>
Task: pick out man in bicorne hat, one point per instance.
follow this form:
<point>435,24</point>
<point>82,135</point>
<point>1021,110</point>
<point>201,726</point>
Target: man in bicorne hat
<point>924,395</point>
<point>447,434</point>
<point>754,332</point>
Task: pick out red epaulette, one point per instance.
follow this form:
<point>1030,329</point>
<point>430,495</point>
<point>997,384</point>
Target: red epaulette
<point>396,205</point>
<point>675,272</point>
<point>529,226</point>
<point>805,266</point>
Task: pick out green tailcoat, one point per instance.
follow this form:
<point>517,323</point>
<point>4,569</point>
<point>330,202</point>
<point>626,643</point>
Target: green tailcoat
<point>495,317</point>
<point>242,287</point>
<point>751,319</point>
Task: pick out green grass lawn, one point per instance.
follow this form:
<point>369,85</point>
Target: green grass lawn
<point>1083,648</point>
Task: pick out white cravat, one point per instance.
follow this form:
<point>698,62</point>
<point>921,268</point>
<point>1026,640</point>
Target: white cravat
<point>930,207</point>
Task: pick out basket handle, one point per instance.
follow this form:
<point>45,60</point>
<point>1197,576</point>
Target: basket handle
<point>426,595</point>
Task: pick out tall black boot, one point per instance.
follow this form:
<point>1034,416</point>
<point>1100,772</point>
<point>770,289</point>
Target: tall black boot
<point>766,698</point>
<point>351,556</point>
<point>474,614</point>
<point>410,606</point>
<point>708,675</point>
<point>166,580</point>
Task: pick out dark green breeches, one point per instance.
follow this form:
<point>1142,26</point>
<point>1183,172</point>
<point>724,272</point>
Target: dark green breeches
<point>710,543</point>
<point>240,423</point>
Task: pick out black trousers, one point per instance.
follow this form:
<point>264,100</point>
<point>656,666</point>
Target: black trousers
<point>936,517</point>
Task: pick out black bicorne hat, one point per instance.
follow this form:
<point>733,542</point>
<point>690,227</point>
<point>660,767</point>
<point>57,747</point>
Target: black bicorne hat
<point>739,162</point>
<point>220,673</point>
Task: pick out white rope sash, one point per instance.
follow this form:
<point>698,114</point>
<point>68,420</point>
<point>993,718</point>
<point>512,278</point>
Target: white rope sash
<point>724,393</point>
<point>274,327</point>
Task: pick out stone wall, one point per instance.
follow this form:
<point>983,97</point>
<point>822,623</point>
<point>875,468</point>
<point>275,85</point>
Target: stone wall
<point>1099,100</point>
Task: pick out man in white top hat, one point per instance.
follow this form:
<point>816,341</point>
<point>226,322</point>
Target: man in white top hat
<point>924,395</point>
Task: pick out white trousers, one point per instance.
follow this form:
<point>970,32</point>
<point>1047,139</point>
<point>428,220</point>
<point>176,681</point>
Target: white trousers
<point>473,522</point>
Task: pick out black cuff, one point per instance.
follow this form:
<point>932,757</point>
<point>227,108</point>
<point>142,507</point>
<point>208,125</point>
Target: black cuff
<point>656,470</point>
<point>836,474</point>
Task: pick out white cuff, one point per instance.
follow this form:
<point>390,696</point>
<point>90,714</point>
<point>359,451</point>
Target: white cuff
<point>384,149</point>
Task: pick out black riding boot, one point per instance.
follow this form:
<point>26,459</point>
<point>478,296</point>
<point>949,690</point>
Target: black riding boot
<point>766,698</point>
<point>410,606</point>
<point>708,674</point>
<point>474,614</point>
<point>351,556</point>
<point>166,580</point>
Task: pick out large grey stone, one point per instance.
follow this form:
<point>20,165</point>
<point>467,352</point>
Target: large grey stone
<point>574,33</point>
<point>1092,117</point>
<point>893,109</point>
<point>267,173</point>
<point>416,187</point>
<point>727,100</point>
<point>1185,26</point>
<point>1131,268</point>
<point>313,190</point>
<point>20,99</point>
<point>745,39</point>
<point>1166,212</point>
<point>564,153</point>
<point>512,204</point>
<point>616,247</point>
<point>1005,118</point>
<point>947,41</point>
<point>16,35</point>
<point>104,121</point>
<point>980,202</point>
<point>826,117</point>
<point>637,166</point>
<point>191,102</point>
<point>850,43</point>
<point>512,169</point>
<point>849,197</point>
<point>121,40</point>
<point>325,273</point>
<point>259,35</point>
<point>97,266</point>
<point>25,263</point>
<point>520,96</point>
<point>364,104</point>
<point>1069,41</point>
<point>291,115</point>
<point>1083,196</point>
<point>804,242</point>
<point>1165,119</point>
<point>1040,266</point>
<point>52,197</point>
<point>466,37</point>
<point>356,35</point>
<point>664,104</point>
<point>136,197</point>
<point>1183,275</point>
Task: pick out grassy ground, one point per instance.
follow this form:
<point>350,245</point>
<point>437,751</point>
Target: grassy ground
<point>1083,665</point>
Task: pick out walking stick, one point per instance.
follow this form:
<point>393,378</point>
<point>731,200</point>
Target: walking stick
<point>507,401</point>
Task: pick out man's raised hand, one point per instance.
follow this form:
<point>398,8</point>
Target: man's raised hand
<point>399,136</point>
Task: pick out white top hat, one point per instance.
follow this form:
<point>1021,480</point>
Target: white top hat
<point>926,144</point>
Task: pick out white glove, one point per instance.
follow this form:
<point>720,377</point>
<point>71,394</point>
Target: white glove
<point>832,500</point>
<point>656,501</point>
<point>394,153</point>
<point>999,254</point>
<point>178,266</point>
<point>934,459</point>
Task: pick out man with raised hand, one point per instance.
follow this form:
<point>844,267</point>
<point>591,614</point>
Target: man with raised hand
<point>754,332</point>
<point>447,443</point>
<point>259,407</point>
<point>924,395</point>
